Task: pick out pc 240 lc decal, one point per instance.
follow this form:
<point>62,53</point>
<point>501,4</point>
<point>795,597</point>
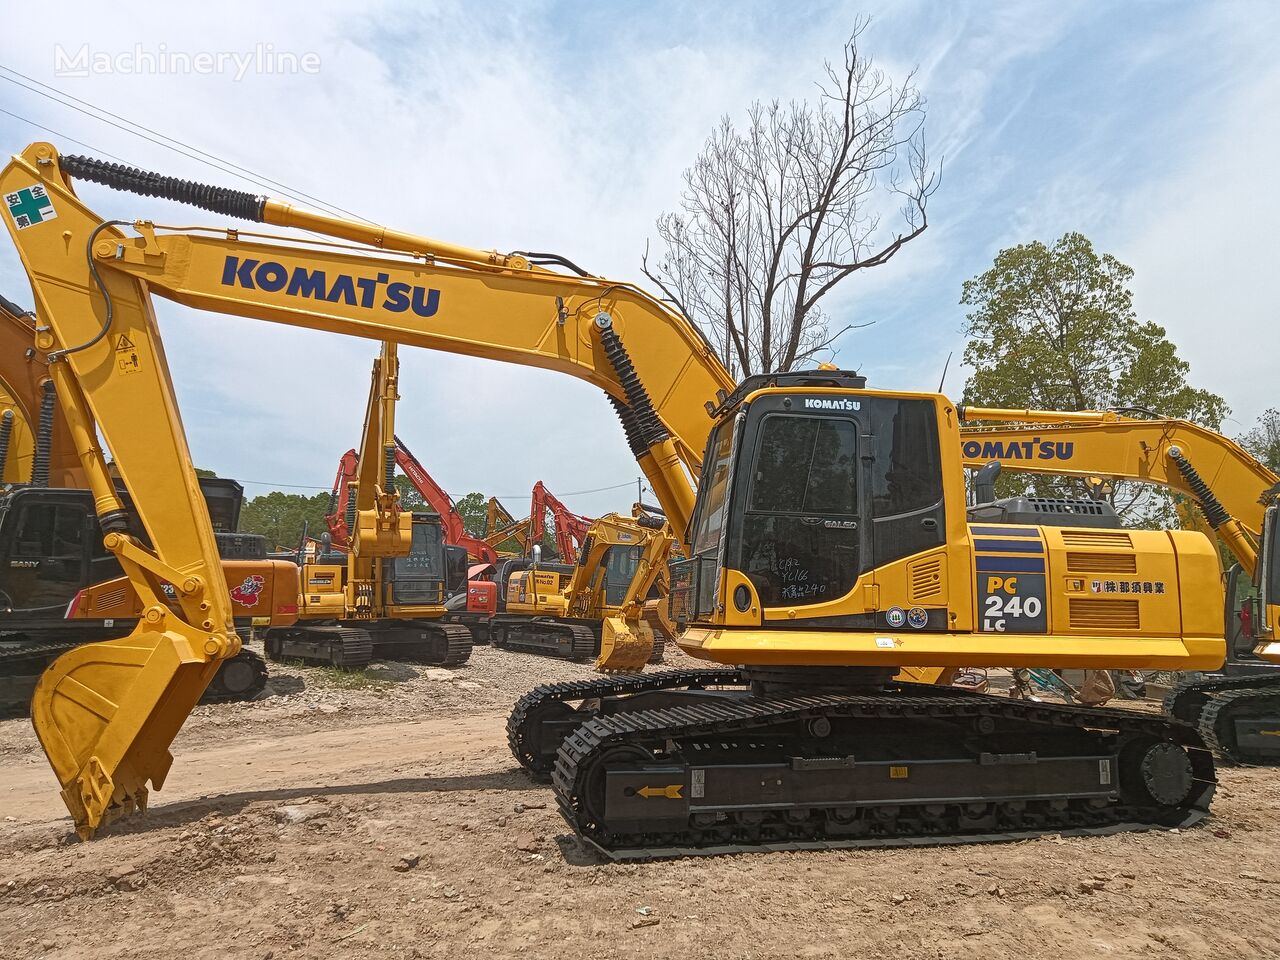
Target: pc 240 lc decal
<point>1012,602</point>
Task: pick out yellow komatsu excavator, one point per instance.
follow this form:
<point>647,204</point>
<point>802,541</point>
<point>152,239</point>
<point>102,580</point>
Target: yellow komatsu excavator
<point>575,613</point>
<point>386,596</point>
<point>1236,707</point>
<point>827,547</point>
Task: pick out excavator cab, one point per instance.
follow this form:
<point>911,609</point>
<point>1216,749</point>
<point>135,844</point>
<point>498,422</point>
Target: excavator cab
<point>805,492</point>
<point>621,564</point>
<point>838,514</point>
<point>418,578</point>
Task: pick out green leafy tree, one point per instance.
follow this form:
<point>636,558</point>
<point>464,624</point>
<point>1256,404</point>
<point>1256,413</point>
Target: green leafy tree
<point>1054,328</point>
<point>473,507</point>
<point>281,517</point>
<point>410,498</point>
<point>1263,441</point>
<point>202,472</point>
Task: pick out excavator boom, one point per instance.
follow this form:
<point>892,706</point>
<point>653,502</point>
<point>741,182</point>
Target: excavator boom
<point>107,713</point>
<point>570,528</point>
<point>27,403</point>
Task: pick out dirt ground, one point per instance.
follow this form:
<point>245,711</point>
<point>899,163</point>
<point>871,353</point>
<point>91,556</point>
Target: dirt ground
<point>349,817</point>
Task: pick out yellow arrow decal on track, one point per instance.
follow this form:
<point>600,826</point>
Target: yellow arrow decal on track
<point>671,792</point>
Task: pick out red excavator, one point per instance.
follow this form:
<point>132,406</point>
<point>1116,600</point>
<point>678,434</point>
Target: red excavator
<point>570,528</point>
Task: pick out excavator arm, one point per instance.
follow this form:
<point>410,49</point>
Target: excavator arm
<point>339,499</point>
<point>107,713</point>
<point>570,528</point>
<point>500,526</point>
<point>454,528</point>
<point>1231,487</point>
<point>660,373</point>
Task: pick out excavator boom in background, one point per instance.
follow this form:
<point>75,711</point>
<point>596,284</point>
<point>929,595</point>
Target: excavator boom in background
<point>570,528</point>
<point>432,493</point>
<point>1236,707</point>
<point>500,527</point>
<point>827,546</point>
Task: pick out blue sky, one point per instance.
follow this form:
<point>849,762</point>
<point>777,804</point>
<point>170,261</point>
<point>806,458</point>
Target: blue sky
<point>1151,127</point>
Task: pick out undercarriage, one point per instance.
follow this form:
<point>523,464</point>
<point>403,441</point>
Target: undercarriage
<point>707,762</point>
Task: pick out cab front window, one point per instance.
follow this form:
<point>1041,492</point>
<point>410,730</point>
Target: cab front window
<point>799,541</point>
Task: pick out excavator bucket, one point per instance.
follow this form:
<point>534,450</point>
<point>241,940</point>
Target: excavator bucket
<point>106,714</point>
<point>625,647</point>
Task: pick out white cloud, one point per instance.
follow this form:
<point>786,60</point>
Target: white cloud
<point>560,129</point>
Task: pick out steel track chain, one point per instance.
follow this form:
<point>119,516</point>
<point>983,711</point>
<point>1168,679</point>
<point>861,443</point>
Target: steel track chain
<point>522,737</point>
<point>731,719</point>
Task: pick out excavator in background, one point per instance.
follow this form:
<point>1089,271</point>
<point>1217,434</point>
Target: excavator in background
<point>827,546</point>
<point>59,587</point>
<point>341,504</point>
<point>570,528</point>
<point>572,610</point>
<point>385,595</point>
<point>1236,706</point>
<point>501,527</point>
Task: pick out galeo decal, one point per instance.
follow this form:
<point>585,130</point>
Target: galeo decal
<point>1033,449</point>
<point>366,292</point>
<point>822,403</point>
<point>248,592</point>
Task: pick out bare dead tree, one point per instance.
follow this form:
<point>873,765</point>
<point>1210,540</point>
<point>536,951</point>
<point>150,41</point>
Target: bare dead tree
<point>773,217</point>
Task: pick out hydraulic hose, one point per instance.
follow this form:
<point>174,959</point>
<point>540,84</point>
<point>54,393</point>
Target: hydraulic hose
<point>1212,507</point>
<point>648,429</point>
<point>232,203</point>
<point>44,436</point>
<point>629,426</point>
<point>6,431</point>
